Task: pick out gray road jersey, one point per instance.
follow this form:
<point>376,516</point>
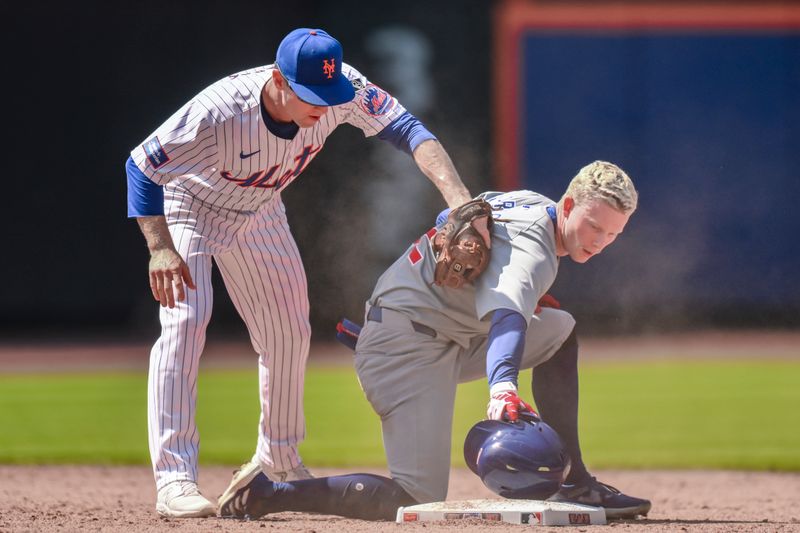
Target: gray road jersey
<point>523,265</point>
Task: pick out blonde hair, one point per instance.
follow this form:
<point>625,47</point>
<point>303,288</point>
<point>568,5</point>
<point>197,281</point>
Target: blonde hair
<point>604,181</point>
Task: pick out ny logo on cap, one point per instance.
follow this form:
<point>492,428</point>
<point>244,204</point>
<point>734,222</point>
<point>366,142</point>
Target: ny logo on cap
<point>329,68</point>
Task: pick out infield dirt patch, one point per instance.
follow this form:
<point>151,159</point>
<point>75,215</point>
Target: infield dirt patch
<point>122,499</point>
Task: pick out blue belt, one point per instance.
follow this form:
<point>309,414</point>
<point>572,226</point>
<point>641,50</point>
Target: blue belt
<point>375,314</point>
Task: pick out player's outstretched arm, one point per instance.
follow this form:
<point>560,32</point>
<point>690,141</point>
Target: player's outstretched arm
<point>503,359</point>
<point>167,267</point>
<point>434,162</point>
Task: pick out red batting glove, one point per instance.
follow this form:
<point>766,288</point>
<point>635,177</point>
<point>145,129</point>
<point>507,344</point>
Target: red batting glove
<point>547,301</point>
<point>504,402</point>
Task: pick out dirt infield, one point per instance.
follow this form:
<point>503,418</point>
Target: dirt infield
<point>122,499</point>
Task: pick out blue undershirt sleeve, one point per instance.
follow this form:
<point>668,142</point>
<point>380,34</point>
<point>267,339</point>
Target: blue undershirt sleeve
<point>441,218</point>
<point>145,198</point>
<point>506,344</point>
<point>405,133</point>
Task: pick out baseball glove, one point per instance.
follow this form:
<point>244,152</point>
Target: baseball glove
<point>461,253</point>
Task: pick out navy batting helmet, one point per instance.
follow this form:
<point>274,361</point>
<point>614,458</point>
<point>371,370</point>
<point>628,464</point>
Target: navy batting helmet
<point>519,460</point>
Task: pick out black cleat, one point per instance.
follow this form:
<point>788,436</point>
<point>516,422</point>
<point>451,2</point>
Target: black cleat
<point>592,492</point>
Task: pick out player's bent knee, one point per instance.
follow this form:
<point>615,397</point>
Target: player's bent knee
<point>423,493</point>
<point>552,326</point>
<point>559,320</point>
<point>301,333</point>
<point>294,340</point>
<point>547,332</point>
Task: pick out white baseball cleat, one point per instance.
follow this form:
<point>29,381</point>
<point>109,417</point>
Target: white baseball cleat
<point>182,499</point>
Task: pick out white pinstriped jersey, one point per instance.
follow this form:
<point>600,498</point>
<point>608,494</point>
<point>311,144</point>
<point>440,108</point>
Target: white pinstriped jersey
<point>218,148</point>
<point>522,267</point>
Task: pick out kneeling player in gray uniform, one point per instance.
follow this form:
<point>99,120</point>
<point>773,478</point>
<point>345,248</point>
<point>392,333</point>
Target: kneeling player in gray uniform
<point>420,340</point>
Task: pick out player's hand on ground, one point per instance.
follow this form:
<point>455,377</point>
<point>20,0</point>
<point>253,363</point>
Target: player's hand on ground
<point>547,301</point>
<point>505,403</point>
<point>169,275</point>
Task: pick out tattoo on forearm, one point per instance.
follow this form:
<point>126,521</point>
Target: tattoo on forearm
<point>155,232</point>
<point>434,162</point>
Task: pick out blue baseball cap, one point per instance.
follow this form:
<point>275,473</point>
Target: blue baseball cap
<point>311,61</point>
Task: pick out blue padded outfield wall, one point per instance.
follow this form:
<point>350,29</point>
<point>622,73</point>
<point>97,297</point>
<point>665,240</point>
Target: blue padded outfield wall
<point>708,126</point>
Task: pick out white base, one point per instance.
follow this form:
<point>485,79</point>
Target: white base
<point>530,512</point>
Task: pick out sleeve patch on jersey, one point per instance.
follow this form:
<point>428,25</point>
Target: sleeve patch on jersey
<point>155,153</point>
<point>375,100</point>
<point>358,84</point>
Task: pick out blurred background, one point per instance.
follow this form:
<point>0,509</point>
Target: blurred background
<point>701,105</point>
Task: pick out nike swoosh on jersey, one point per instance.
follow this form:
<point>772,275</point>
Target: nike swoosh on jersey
<point>243,155</point>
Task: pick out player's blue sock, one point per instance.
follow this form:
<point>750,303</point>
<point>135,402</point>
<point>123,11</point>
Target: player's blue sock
<point>555,391</point>
<point>363,496</point>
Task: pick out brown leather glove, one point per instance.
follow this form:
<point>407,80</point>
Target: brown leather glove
<point>461,253</point>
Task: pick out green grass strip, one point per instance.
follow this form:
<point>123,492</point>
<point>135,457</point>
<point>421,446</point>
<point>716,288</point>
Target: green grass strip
<point>642,414</point>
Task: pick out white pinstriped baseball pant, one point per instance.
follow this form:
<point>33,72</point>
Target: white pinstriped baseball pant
<point>263,273</point>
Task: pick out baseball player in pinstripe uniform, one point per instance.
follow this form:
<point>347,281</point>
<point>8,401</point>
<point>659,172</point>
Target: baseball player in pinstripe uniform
<point>207,183</point>
<point>420,340</point>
